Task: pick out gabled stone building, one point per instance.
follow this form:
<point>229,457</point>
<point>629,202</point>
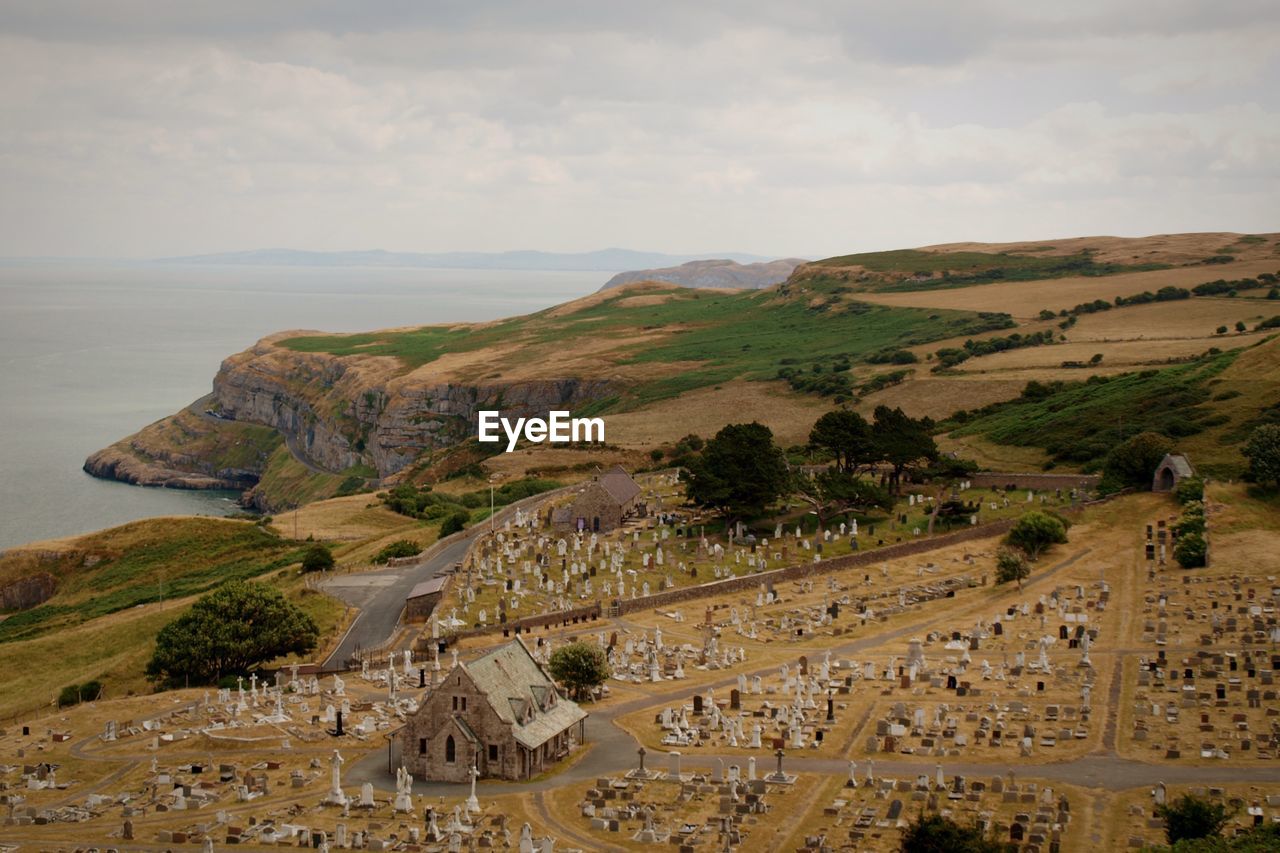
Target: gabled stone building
<point>501,713</point>
<point>603,504</point>
<point>1171,471</point>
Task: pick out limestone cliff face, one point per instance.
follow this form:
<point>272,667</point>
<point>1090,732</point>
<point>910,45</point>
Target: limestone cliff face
<point>334,413</point>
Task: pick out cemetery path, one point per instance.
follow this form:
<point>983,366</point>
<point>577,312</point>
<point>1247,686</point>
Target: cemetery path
<point>381,595</point>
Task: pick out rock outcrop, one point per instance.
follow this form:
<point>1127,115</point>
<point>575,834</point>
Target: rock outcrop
<point>717,273</point>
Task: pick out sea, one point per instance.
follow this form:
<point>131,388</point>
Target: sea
<point>92,352</point>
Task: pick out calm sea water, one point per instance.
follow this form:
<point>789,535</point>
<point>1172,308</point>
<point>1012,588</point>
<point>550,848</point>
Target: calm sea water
<point>90,354</point>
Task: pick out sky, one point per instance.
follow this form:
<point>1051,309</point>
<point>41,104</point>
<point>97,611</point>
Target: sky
<point>147,128</point>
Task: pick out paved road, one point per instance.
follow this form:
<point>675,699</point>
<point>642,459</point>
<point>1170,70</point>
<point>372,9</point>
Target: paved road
<point>380,596</point>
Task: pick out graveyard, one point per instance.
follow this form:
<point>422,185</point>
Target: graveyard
<point>821,709</point>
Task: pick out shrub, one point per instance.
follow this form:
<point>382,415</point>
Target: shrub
<point>1190,489</point>
<point>1035,532</point>
<point>1191,550</point>
<point>1189,817</point>
<point>455,522</point>
<point>1011,565</point>
<point>74,694</point>
<point>397,550</point>
<point>318,558</point>
<point>1263,452</point>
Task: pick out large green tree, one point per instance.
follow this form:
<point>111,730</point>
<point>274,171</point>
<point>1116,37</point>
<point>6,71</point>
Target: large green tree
<point>1133,462</point>
<point>833,492</point>
<point>1263,452</point>
<point>847,437</point>
<point>581,667</point>
<point>937,834</point>
<point>1036,531</point>
<point>741,472</point>
<point>1190,817</point>
<point>901,441</point>
<point>228,631</point>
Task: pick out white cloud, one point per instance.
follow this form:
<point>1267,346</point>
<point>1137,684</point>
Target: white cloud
<point>818,128</point>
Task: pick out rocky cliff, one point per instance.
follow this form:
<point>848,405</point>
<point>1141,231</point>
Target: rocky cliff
<point>364,414</point>
<point>716,273</point>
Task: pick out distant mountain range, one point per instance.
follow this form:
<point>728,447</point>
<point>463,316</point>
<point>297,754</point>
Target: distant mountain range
<point>719,272</point>
<point>604,260</point>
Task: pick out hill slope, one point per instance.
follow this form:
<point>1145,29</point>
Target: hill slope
<point>715,273</point>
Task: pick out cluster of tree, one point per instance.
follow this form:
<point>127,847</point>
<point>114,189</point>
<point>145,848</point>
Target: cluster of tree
<point>1191,547</point>
<point>1164,294</point>
<point>1263,452</point>
<point>817,380</point>
<point>421,502</point>
<point>893,355</point>
<point>1133,462</point>
<point>233,628</point>
<point>741,471</point>
<point>1230,288</point>
<point>951,356</point>
<point>580,667</point>
<point>881,381</point>
<point>1269,323</point>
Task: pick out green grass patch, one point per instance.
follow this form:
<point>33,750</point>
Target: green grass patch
<point>913,269</point>
<point>1079,422</point>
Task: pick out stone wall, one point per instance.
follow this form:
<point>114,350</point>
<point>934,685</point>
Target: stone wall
<point>1032,480</point>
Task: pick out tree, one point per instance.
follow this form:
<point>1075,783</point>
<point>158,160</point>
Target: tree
<point>1263,452</point>
<point>228,631</point>
<point>1191,550</point>
<point>1133,462</point>
<point>455,522</point>
<point>1036,531</point>
<point>1189,490</point>
<point>1240,326</point>
<point>901,441</point>
<point>1011,565</point>
<point>1190,817</point>
<point>581,667</point>
<point>833,492</point>
<point>938,834</point>
<point>740,472</point>
<point>318,558</point>
<point>847,437</point>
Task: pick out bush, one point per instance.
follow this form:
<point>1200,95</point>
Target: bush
<point>1035,532</point>
<point>318,558</point>
<point>938,834</point>
<point>74,694</point>
<point>1133,462</point>
<point>397,550</point>
<point>1011,565</point>
<point>1189,817</point>
<point>1263,452</point>
<point>455,522</point>
<point>1191,550</point>
<point>1189,490</point>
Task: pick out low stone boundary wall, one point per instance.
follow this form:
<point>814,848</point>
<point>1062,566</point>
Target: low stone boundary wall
<point>1033,480</point>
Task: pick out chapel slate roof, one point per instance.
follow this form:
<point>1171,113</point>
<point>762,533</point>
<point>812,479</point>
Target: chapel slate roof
<point>429,586</point>
<point>618,483</point>
<point>514,683</point>
<point>1179,463</point>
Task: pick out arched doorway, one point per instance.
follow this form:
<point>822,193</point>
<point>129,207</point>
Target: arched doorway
<point>450,750</point>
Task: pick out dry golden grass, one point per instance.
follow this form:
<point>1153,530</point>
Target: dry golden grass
<point>345,519</point>
<point>938,397</point>
<point>1157,248</point>
<point>1197,318</point>
<point>1025,299</point>
<point>706,410</point>
<point>563,464</point>
<point>992,456</point>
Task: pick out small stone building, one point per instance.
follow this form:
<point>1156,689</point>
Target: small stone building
<point>603,504</point>
<point>423,598</point>
<point>501,713</point>
<point>1171,471</point>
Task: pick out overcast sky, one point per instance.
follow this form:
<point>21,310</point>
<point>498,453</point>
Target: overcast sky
<point>808,128</point>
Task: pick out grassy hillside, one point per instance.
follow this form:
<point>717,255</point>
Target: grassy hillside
<point>139,563</point>
<point>671,339</point>
<point>1205,405</point>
